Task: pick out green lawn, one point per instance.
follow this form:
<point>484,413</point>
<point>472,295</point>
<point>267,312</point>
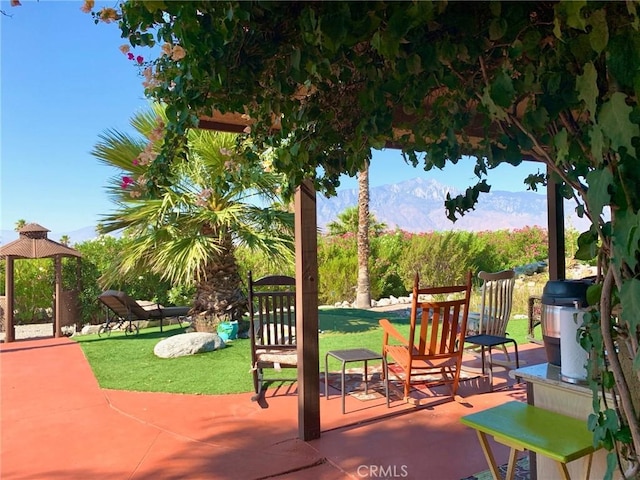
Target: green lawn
<point>128,362</point>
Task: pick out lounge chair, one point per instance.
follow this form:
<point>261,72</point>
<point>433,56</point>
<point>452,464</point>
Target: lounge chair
<point>128,309</point>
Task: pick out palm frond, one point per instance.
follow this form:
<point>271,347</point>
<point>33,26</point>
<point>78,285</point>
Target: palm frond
<point>215,196</point>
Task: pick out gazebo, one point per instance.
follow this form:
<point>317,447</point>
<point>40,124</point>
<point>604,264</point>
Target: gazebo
<point>33,243</point>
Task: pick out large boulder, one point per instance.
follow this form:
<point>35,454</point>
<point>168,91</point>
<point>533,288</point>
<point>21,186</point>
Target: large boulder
<point>188,344</point>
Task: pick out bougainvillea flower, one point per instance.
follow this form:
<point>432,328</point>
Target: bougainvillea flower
<point>166,49</point>
<point>130,56</point>
<point>108,15</point>
<point>139,59</point>
<point>178,53</point>
<point>126,181</point>
<point>87,6</point>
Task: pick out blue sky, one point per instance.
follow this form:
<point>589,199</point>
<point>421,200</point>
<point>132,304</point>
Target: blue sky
<point>63,83</point>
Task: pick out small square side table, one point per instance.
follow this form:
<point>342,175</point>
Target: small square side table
<point>346,356</point>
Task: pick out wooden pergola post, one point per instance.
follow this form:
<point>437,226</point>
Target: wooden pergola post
<point>306,246</point>
<point>555,229</point>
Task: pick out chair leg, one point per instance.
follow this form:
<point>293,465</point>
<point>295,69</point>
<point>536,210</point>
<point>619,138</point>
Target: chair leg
<point>257,384</point>
<point>490,371</point>
<point>385,374</point>
<point>256,381</point>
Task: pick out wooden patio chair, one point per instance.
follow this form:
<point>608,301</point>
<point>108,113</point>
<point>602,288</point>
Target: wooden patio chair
<point>495,311</point>
<point>272,301</point>
<point>435,343</point>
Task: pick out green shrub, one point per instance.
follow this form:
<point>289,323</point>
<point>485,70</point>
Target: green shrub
<point>440,258</point>
<point>337,268</point>
<point>260,264</point>
<point>512,248</point>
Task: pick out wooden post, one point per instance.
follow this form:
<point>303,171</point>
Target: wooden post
<point>9,331</point>
<point>555,219</point>
<point>306,245</point>
<point>57,328</point>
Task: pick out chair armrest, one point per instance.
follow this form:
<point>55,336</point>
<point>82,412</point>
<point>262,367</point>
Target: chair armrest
<point>389,330</point>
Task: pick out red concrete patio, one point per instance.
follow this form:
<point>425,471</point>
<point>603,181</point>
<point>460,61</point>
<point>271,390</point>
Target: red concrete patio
<point>57,423</point>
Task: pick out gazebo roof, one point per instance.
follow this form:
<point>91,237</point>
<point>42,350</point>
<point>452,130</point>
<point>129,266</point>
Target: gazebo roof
<point>33,243</point>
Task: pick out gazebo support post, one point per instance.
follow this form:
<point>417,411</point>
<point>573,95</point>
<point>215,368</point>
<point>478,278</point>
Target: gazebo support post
<point>78,289</point>
<point>9,333</point>
<point>306,252</point>
<point>57,261</point>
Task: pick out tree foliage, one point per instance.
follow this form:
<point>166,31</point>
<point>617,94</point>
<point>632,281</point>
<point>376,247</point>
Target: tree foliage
<point>188,233</point>
<point>324,82</point>
<point>347,222</point>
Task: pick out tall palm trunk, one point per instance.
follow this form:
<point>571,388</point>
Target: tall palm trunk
<point>363,291</point>
<point>219,296</point>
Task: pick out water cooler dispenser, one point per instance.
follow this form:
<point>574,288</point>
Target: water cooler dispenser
<point>563,304</point>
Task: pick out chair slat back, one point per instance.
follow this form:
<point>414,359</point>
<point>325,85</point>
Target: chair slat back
<point>272,301</point>
<point>439,328</point>
<point>496,303</point>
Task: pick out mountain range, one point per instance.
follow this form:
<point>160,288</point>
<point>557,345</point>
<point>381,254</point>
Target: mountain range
<point>415,205</point>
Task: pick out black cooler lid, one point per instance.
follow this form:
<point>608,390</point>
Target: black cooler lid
<point>566,292</point>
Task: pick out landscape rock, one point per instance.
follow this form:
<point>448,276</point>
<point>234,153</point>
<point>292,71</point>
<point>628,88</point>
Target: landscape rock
<point>89,329</point>
<point>188,344</point>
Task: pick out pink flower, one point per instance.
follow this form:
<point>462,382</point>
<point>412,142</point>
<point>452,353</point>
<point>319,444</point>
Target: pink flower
<point>178,53</point>
<point>136,162</point>
<point>166,49</point>
<point>140,59</point>
<point>126,181</point>
<point>108,15</point>
<point>130,56</point>
<point>87,6</point>
<point>124,48</point>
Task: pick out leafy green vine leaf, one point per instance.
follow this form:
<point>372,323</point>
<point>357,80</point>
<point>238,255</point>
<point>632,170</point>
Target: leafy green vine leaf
<point>588,88</point>
<point>616,124</point>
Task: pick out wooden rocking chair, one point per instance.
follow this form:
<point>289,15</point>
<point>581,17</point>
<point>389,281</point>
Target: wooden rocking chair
<point>272,301</point>
<point>436,338</point>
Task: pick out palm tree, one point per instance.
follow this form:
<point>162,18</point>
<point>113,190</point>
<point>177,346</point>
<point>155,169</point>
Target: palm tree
<point>363,287</point>
<point>188,231</point>
<point>19,224</point>
<point>348,220</point>
<point>65,240</point>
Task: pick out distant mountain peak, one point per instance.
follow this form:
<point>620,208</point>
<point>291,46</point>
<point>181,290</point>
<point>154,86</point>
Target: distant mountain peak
<point>417,205</point>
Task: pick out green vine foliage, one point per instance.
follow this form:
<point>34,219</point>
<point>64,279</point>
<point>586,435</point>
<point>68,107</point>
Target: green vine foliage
<point>326,82</point>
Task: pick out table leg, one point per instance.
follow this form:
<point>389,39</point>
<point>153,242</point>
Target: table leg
<point>342,379</point>
<point>488,454</point>
<point>366,383</point>
<point>564,473</point>
<point>511,468</point>
<point>326,376</point>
